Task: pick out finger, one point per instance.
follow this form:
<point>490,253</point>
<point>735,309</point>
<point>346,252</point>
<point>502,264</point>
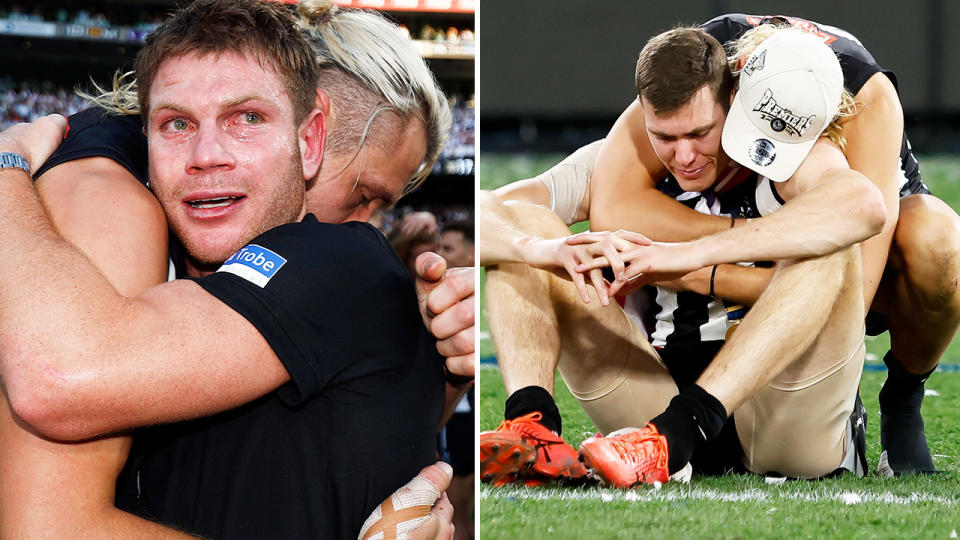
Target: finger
<point>634,271</point>
<point>578,281</point>
<point>443,511</point>
<point>634,237</point>
<point>464,365</point>
<point>616,262</point>
<point>457,285</point>
<point>615,287</point>
<point>411,505</point>
<point>579,239</point>
<point>458,344</point>
<point>600,285</point>
<point>439,475</point>
<point>430,269</point>
<point>430,266</point>
<point>599,262</point>
<point>453,320</point>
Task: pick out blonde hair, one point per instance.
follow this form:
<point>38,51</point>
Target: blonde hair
<point>752,39</point>
<point>120,99</point>
<point>369,70</point>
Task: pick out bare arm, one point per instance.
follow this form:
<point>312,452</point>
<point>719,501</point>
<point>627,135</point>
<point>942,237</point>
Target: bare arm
<point>61,490</point>
<point>830,207</point>
<point>499,239</point>
<point>874,137</point>
<point>739,284</point>
<point>110,362</point>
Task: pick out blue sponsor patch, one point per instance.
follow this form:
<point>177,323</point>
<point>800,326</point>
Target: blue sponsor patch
<point>254,263</point>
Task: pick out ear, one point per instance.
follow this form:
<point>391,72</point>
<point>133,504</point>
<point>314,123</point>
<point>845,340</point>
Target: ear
<point>312,135</point>
<point>323,102</point>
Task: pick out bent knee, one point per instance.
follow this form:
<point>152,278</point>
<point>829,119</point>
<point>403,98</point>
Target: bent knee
<point>927,248</point>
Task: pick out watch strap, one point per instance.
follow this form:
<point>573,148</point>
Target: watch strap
<point>10,159</point>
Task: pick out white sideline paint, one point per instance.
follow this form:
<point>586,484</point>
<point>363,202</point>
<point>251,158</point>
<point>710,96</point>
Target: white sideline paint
<point>847,497</point>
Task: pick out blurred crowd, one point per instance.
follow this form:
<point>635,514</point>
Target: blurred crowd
<point>27,100</point>
<point>136,15</point>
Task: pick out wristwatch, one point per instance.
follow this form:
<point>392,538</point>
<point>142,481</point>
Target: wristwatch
<point>9,159</point>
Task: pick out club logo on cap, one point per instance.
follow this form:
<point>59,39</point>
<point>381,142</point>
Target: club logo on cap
<point>755,63</point>
<point>762,152</point>
<point>781,118</point>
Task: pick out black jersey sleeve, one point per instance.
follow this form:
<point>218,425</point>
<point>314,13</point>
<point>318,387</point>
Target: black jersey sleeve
<point>333,301</point>
<point>857,63</point>
<point>95,133</point>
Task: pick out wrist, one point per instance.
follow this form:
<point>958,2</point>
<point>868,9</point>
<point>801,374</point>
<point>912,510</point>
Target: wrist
<point>13,160</point>
<point>526,249</point>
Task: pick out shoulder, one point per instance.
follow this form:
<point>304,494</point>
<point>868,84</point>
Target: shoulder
<point>823,157</point>
<point>310,257</point>
<point>95,133</point>
<point>729,27</point>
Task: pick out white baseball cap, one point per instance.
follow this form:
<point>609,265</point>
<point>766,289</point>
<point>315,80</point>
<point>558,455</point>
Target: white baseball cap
<point>790,90</point>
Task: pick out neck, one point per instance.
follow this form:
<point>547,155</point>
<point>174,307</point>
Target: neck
<point>196,268</point>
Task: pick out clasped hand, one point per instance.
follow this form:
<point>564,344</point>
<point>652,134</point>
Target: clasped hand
<point>634,260</point>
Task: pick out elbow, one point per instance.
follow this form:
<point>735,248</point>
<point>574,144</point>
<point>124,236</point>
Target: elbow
<point>50,406</point>
<point>867,208</point>
<point>875,213</point>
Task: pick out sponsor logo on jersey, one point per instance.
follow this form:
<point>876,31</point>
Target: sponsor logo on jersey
<point>755,63</point>
<point>762,152</point>
<point>781,118</point>
<point>802,24</point>
<point>254,263</point>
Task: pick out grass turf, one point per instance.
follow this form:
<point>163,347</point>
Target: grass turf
<point>736,506</point>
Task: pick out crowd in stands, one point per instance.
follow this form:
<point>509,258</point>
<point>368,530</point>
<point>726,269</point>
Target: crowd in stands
<point>25,101</point>
<point>140,16</point>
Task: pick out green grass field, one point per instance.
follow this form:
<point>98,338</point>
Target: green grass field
<point>736,506</point>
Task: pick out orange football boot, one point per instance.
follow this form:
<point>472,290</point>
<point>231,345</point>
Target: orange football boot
<point>628,459</point>
<point>524,448</point>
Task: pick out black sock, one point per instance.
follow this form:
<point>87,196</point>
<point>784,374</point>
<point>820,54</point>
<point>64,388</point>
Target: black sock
<point>534,399</point>
<point>902,391</point>
<point>692,417</point>
<point>901,424</point>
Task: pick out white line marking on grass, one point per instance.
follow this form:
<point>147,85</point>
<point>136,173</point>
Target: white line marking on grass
<point>692,494</point>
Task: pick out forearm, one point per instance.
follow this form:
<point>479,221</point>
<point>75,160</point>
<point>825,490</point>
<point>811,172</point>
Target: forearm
<point>655,215</point>
<point>33,352</point>
<point>63,490</point>
<point>841,210</point>
<point>733,283</point>
<point>874,137</point>
<point>499,239</point>
<point>93,524</point>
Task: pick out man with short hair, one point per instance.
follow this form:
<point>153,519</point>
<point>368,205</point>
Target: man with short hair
<point>607,362</point>
<point>908,284</point>
<point>211,104</point>
<point>456,243</point>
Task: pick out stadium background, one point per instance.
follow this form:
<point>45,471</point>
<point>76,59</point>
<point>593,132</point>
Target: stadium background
<point>49,48</point>
<point>556,76</point>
